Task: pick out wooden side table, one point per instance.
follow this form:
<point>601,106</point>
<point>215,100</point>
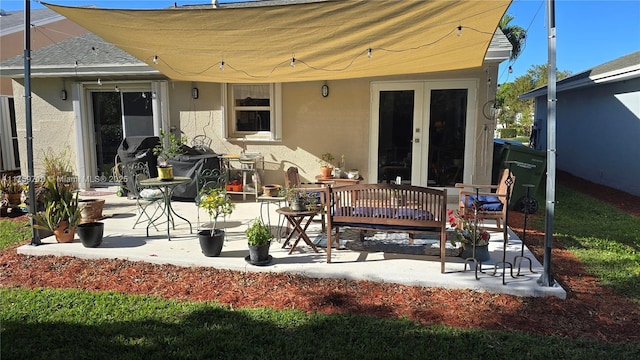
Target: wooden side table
<point>297,220</point>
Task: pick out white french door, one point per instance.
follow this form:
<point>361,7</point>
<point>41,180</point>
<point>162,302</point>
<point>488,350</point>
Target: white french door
<point>422,132</point>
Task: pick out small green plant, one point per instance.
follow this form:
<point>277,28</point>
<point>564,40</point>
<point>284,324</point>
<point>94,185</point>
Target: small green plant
<point>170,147</point>
<point>61,204</point>
<point>326,160</point>
<point>216,202</point>
<point>258,233</point>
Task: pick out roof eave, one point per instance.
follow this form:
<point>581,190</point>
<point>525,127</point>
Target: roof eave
<point>97,71</point>
<point>627,73</point>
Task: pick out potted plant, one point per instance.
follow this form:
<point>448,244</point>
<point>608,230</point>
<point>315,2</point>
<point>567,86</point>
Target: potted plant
<point>170,147</point>
<point>259,239</point>
<point>62,212</point>
<point>467,233</point>
<point>216,202</point>
<point>12,189</point>
<point>297,198</point>
<point>326,165</point>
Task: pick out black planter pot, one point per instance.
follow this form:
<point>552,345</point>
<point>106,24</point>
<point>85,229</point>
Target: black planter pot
<point>482,252</point>
<point>259,254</point>
<point>211,245</point>
<point>90,234</point>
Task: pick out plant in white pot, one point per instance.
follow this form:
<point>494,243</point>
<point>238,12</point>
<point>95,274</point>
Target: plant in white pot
<point>259,239</point>
<point>169,148</point>
<point>216,202</point>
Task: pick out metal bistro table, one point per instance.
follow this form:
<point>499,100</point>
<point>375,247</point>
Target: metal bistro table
<point>296,219</point>
<point>167,186</point>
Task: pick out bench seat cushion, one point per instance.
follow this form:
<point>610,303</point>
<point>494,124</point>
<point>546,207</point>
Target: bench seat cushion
<point>385,227</point>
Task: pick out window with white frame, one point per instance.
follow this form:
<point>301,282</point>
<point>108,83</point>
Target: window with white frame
<point>252,111</point>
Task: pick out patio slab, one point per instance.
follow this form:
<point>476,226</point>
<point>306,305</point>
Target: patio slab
<point>122,242</point>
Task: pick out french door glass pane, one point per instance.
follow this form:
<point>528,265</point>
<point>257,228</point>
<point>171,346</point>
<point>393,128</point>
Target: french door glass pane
<point>395,135</point>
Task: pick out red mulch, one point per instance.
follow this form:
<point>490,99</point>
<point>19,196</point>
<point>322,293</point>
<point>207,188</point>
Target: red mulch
<point>590,311</point>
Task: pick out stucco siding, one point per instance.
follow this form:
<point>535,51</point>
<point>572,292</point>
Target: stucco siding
<point>597,133</point>
<point>311,124</point>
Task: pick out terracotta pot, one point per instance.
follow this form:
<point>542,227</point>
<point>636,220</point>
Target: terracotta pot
<point>326,172</point>
<point>63,233</point>
<point>91,210</point>
<point>13,199</point>
<point>271,190</point>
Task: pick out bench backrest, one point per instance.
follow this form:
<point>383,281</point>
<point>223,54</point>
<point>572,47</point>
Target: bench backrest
<point>387,204</point>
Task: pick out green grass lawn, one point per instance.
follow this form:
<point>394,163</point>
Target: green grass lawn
<point>65,324</point>
<point>74,324</point>
<point>605,239</point>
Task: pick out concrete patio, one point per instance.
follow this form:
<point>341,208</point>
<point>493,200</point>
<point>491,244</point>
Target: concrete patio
<point>122,242</point>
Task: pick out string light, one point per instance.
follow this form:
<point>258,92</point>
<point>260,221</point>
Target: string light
<point>459,30</point>
<point>222,65</point>
<point>293,61</point>
<point>510,70</point>
<point>116,89</point>
<point>99,82</point>
<point>144,95</point>
<point>369,53</point>
<point>155,59</point>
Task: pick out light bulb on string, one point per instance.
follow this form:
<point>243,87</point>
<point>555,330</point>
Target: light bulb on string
<point>459,30</point>
<point>293,62</point>
<point>144,95</point>
<point>510,70</point>
<point>155,59</point>
<point>369,51</point>
<point>222,65</point>
<point>116,89</point>
<point>99,82</point>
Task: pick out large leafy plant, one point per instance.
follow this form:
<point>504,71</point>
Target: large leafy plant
<point>61,204</point>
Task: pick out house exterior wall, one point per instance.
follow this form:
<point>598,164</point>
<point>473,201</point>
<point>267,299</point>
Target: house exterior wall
<point>52,123</point>
<point>597,131</point>
<point>311,124</point>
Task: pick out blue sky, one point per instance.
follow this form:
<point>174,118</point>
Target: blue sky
<point>589,32</point>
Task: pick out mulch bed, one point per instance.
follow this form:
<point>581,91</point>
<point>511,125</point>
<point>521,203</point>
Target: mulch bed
<point>590,311</point>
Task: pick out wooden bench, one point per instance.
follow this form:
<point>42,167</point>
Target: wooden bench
<point>386,207</point>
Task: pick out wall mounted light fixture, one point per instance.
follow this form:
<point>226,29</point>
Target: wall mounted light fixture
<point>325,90</point>
<point>63,94</point>
<point>194,93</point>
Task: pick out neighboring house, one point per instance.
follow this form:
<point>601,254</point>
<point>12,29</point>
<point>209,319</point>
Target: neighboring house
<point>427,128</point>
<point>597,123</point>
<point>11,45</point>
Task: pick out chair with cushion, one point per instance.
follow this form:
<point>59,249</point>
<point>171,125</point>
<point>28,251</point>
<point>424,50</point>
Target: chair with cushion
<point>209,179</point>
<point>491,199</point>
<point>148,200</point>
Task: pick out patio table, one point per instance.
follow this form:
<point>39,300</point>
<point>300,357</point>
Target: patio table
<point>167,187</point>
<point>296,219</point>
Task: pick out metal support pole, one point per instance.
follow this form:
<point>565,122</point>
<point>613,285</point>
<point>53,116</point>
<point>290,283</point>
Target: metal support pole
<point>33,202</point>
<point>546,279</point>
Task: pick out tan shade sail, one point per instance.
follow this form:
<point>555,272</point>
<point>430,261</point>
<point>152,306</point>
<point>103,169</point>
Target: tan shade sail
<point>301,42</point>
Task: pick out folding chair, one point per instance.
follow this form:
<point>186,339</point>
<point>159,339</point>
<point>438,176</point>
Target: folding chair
<point>145,197</point>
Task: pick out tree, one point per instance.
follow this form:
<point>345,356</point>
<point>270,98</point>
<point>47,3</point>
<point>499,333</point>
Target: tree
<point>516,113</point>
<point>514,33</point>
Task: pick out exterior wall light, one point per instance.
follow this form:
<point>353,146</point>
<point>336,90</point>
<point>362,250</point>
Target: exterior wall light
<point>194,93</point>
